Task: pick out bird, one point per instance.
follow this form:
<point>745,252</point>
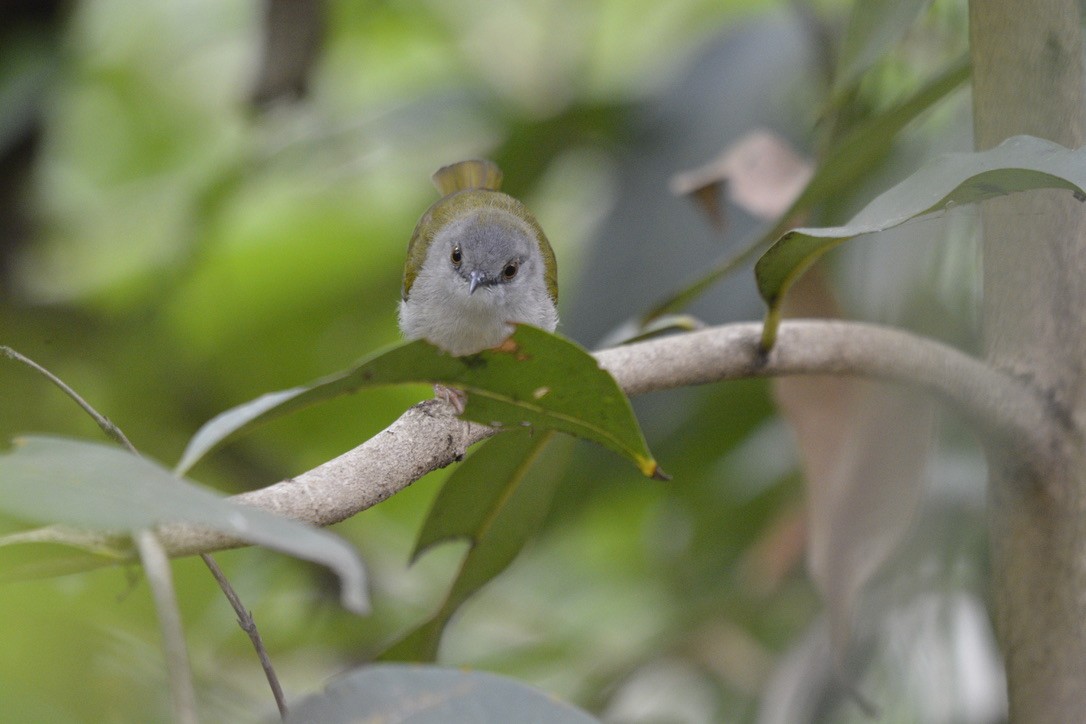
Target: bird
<point>478,262</point>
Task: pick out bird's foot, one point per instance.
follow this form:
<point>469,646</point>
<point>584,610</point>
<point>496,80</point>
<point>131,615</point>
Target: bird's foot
<point>452,396</point>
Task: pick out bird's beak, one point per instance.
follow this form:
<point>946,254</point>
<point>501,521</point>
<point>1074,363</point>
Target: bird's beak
<point>477,277</point>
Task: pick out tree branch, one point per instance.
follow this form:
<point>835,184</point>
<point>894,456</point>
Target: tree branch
<point>429,436</point>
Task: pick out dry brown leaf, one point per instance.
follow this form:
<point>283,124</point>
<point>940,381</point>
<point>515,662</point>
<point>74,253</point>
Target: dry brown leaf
<point>761,173</point>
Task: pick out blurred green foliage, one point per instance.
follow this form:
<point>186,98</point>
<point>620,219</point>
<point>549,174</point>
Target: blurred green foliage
<point>188,253</point>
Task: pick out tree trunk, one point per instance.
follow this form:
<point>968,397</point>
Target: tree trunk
<point>1028,79</point>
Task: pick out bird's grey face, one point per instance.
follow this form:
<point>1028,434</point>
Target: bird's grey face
<point>490,255</point>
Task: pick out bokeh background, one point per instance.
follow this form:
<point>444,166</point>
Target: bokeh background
<point>205,200</point>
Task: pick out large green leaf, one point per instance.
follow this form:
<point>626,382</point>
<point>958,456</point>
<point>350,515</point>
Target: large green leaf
<point>496,500</point>
<point>535,379</point>
<point>849,159</point>
<point>1018,164</point>
<point>104,488</point>
<point>400,694</point>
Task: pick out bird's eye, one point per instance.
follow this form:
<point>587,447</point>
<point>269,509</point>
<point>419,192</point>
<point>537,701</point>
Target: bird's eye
<point>510,269</point>
<point>456,257</point>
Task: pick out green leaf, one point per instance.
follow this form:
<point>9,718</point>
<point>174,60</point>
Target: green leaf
<point>633,330</point>
<point>1018,164</point>
<point>103,488</point>
<point>858,151</point>
<point>497,500</point>
<point>54,551</point>
<point>856,154</point>
<point>535,379</point>
<point>480,489</point>
<point>398,694</point>
<point>238,420</point>
<point>873,27</point>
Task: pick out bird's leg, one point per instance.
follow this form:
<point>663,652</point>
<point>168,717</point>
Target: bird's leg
<point>452,396</point>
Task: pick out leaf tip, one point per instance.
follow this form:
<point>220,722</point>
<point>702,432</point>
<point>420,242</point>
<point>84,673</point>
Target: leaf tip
<point>419,550</point>
<point>651,469</point>
<point>356,602</point>
<point>425,544</point>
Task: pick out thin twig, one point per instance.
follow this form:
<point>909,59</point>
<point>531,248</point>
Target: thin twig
<point>157,566</point>
<point>245,619</point>
<point>110,429</point>
<point>248,625</point>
